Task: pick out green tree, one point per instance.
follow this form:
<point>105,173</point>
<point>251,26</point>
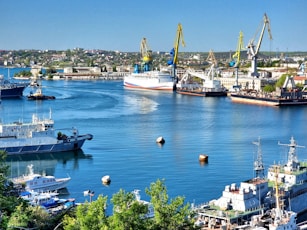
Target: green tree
<point>169,214</point>
<point>269,88</point>
<point>88,216</point>
<point>8,200</point>
<point>23,73</point>
<point>128,213</point>
<point>30,217</point>
<point>281,80</point>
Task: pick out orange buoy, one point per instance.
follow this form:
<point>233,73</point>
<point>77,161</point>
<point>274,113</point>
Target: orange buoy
<point>203,158</point>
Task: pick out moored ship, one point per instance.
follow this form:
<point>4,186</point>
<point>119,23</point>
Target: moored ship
<point>285,96</point>
<point>145,77</point>
<point>40,183</point>
<point>209,87</point>
<point>292,178</point>
<point>153,80</point>
<point>239,204</point>
<point>38,136</point>
<point>11,89</point>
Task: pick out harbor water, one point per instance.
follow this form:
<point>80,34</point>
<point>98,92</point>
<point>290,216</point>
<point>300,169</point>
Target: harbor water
<point>126,123</point>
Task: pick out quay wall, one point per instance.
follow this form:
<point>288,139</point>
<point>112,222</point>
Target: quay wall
<point>90,76</point>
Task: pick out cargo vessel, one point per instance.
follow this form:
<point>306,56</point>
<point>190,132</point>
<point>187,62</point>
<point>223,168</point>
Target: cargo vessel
<point>285,96</point>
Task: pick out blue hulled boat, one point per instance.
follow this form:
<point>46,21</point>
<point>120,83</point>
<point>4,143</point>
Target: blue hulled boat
<point>38,136</point>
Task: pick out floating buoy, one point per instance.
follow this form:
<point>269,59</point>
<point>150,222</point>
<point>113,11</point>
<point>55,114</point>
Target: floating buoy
<point>160,140</point>
<point>106,179</point>
<point>203,158</point>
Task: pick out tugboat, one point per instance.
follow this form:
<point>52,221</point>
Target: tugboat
<point>38,95</point>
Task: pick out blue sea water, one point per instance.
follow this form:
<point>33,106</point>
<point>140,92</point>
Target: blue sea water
<point>126,123</point>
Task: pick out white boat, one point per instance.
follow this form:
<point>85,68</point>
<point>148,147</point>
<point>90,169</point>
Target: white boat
<point>145,77</point>
<point>153,80</point>
<point>49,201</point>
<point>37,182</point>
<point>38,136</point>
<point>209,86</point>
<point>151,212</point>
<point>39,198</point>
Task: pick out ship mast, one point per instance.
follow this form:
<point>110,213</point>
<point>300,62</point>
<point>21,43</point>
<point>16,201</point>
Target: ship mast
<point>293,162</point>
<point>278,207</point>
<point>258,163</point>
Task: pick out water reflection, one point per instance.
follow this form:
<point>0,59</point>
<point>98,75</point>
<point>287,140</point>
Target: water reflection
<point>44,163</point>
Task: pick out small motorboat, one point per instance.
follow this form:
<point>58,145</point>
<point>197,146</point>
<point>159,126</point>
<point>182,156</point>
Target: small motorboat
<point>37,182</point>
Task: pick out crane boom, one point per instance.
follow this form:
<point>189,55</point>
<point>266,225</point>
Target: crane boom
<point>146,52</point>
<point>237,55</point>
<point>266,23</point>
<point>253,51</point>
<point>179,37</point>
<point>174,50</point>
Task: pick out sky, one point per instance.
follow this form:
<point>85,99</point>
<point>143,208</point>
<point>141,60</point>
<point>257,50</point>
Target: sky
<point>120,25</point>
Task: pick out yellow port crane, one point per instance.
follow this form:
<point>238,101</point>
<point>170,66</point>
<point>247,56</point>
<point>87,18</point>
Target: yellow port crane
<point>237,58</point>
<point>237,55</point>
<point>254,50</point>
<point>174,51</point>
<point>146,54</point>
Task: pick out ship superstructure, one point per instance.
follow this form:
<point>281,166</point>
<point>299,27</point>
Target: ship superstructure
<point>292,179</point>
<point>257,195</point>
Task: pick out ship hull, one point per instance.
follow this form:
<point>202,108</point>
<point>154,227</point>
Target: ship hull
<point>49,187</point>
<point>202,94</point>
<point>11,92</point>
<point>18,147</point>
<point>248,99</point>
<point>152,80</point>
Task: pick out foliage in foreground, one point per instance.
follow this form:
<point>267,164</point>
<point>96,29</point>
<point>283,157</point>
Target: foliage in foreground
<point>128,213</point>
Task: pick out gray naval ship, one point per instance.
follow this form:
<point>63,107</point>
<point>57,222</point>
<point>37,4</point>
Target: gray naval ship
<point>257,195</point>
<point>38,136</point>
